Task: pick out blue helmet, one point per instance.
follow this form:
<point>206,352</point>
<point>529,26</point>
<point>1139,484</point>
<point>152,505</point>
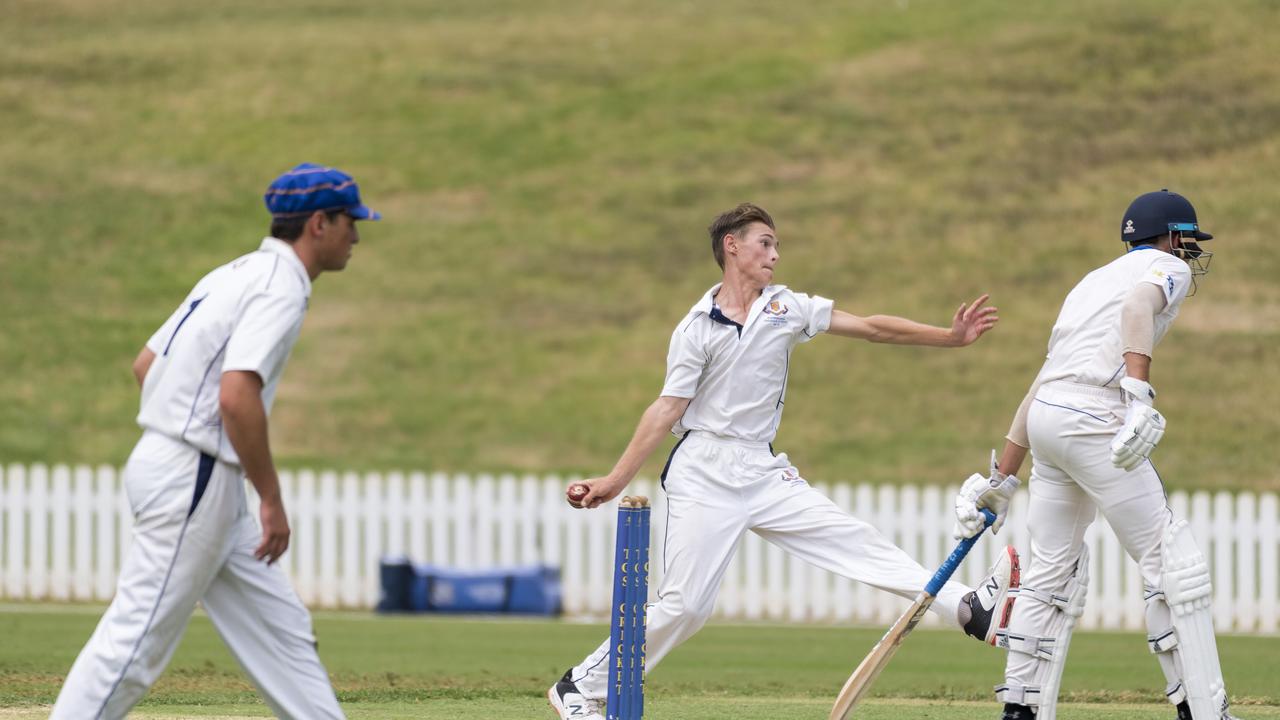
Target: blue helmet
<point>1156,213</point>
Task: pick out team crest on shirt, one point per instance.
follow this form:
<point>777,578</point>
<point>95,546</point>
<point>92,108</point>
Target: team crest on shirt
<point>777,312</point>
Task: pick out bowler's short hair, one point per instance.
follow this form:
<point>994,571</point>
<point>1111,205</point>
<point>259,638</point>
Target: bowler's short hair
<point>731,222</point>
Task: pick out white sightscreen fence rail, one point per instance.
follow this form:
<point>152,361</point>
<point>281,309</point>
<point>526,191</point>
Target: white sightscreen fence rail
<point>64,529</point>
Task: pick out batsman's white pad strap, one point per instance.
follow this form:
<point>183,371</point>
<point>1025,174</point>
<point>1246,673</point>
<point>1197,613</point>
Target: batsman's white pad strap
<point>1061,602</point>
<point>1018,694</point>
<point>1040,647</point>
<point>1051,648</point>
<point>1163,642</point>
<point>1188,592</point>
<point>1162,639</point>
<point>1160,635</point>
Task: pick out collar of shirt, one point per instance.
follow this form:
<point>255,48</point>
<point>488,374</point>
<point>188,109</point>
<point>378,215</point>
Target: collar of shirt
<point>708,306</point>
<point>708,302</point>
<point>285,250</point>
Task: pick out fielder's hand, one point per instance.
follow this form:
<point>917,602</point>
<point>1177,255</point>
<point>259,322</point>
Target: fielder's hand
<point>971,321</point>
<point>275,531</point>
<point>1143,426</point>
<point>992,492</point>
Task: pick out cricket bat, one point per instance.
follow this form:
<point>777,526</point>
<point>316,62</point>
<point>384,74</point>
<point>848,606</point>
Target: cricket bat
<point>869,669</point>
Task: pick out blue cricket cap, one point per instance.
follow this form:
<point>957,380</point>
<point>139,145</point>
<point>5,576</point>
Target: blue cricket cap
<point>310,187</point>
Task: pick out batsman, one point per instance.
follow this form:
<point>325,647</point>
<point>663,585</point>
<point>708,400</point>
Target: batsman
<point>1090,422</point>
<point>723,397</point>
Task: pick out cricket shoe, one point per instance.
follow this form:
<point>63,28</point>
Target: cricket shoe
<point>1017,712</point>
<point>1184,712</point>
<point>568,702</point>
<point>989,606</point>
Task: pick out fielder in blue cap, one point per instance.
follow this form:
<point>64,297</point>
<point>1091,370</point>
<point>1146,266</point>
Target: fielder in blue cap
<point>319,205</point>
<point>208,376</point>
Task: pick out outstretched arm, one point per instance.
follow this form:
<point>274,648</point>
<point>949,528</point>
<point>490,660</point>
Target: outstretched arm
<point>969,323</point>
<point>654,425</point>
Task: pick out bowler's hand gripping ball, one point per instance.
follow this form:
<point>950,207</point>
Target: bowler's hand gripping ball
<point>575,493</point>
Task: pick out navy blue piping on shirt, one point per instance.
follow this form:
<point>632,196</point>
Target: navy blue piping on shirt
<point>196,400</point>
<point>782,393</point>
<point>1113,375</point>
<point>203,473</point>
<point>194,304</point>
<point>665,468</point>
<point>273,274</point>
<point>1068,407</point>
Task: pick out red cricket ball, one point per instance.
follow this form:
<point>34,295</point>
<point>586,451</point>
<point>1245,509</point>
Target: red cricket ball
<point>575,493</point>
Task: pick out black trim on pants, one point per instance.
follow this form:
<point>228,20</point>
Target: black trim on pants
<point>667,467</point>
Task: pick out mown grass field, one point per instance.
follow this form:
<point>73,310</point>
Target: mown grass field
<point>401,667</point>
<point>547,170</point>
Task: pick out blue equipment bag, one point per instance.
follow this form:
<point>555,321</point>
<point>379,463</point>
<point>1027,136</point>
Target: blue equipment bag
<point>430,588</point>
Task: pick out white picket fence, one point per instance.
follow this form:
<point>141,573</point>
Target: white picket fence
<point>63,531</point>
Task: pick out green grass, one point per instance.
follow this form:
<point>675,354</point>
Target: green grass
<point>392,667</point>
<point>546,171</point>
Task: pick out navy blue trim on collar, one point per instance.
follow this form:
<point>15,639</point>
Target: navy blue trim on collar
<point>723,319</point>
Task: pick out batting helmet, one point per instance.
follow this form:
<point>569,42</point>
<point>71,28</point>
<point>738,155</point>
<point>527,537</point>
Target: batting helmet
<point>1156,213</point>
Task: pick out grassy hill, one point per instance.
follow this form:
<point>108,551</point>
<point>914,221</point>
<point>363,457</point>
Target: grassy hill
<point>546,172</point>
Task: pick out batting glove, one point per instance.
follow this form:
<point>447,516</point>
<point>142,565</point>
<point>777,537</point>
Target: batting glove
<point>992,492</point>
<point>1143,426</point>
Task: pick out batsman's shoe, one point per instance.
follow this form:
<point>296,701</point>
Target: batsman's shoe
<point>1184,712</point>
<point>991,603</point>
<point>1017,712</point>
<point>568,702</point>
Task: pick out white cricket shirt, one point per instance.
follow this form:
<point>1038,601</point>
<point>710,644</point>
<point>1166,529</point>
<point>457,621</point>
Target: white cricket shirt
<point>737,375</point>
<point>1085,345</point>
<point>244,315</point>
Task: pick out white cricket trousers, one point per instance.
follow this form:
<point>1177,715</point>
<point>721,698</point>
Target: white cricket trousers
<point>193,540</point>
<point>1071,427</point>
<point>719,488</point>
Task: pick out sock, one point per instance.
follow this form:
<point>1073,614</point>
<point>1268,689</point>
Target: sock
<point>964,613</point>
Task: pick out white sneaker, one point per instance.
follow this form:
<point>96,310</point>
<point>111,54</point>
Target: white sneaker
<point>990,604</point>
<point>568,702</point>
